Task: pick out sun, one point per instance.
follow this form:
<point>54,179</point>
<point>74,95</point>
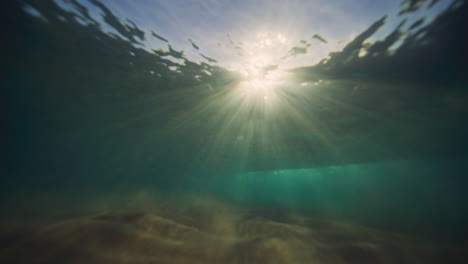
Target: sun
<point>261,65</point>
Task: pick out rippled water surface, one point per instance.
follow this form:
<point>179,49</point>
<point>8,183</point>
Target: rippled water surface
<point>202,131</point>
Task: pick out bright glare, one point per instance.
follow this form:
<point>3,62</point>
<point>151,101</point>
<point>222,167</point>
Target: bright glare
<point>261,65</point>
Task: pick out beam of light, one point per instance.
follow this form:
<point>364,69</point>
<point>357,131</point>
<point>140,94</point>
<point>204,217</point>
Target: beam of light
<point>248,124</point>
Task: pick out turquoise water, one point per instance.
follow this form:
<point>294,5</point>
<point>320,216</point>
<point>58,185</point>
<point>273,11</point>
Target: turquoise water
<point>414,196</point>
<point>102,113</point>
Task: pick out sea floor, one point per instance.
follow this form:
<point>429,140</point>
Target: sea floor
<point>201,230</point>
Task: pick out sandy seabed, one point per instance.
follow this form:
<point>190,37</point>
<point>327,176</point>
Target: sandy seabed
<point>205,231</point>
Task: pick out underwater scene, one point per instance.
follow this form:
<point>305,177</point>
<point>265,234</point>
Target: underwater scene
<point>223,131</point>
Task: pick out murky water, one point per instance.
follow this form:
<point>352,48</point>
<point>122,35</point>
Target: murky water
<point>234,132</point>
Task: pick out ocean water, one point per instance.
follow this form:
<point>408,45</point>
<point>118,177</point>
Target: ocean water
<point>136,138</point>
